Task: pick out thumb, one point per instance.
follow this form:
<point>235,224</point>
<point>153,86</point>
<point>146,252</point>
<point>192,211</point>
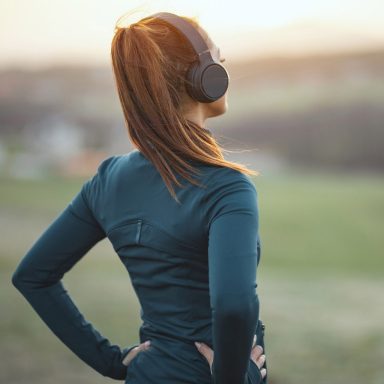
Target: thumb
<point>203,349</point>
<point>206,352</point>
<point>141,347</point>
<point>254,341</point>
<point>133,352</point>
<point>145,345</point>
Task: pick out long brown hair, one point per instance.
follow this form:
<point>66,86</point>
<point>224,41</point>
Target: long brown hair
<point>150,60</point>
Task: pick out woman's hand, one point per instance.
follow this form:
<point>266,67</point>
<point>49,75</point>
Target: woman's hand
<point>133,352</point>
<point>256,355</point>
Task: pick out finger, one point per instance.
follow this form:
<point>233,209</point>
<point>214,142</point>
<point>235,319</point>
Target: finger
<point>260,361</point>
<point>254,341</point>
<point>256,352</point>
<point>145,345</point>
<point>141,347</point>
<point>205,351</point>
<point>255,357</point>
<point>132,353</point>
<point>263,372</point>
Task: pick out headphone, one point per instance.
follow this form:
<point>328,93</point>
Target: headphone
<point>207,80</point>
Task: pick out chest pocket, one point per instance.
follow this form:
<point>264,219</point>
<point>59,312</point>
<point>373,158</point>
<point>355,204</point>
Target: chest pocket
<point>148,234</point>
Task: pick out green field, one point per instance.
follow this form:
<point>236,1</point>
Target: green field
<point>320,282</point>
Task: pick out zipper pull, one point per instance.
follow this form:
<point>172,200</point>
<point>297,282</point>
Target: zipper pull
<point>138,231</point>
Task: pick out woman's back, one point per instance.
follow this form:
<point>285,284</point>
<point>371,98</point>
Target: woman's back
<point>164,247</point>
<point>192,266</point>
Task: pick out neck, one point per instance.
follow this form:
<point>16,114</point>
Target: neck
<point>196,115</point>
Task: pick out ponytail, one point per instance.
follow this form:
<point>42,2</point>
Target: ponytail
<point>150,61</point>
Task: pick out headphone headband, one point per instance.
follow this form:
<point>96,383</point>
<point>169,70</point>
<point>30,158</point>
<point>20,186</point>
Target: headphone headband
<point>206,79</point>
<point>187,29</point>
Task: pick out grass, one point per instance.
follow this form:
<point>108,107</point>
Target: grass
<point>319,282</point>
<point>322,223</point>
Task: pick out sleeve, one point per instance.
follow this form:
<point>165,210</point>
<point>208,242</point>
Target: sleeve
<point>232,259</point>
<point>38,277</point>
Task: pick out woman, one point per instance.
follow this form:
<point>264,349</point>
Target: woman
<point>191,249</point>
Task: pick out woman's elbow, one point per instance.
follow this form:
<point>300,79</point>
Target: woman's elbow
<point>19,279</point>
<point>25,278</point>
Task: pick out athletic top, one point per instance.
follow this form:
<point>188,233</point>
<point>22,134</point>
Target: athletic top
<point>192,265</point>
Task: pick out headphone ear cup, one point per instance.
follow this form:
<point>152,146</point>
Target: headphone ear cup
<point>207,82</point>
<point>214,81</point>
<point>192,84</point>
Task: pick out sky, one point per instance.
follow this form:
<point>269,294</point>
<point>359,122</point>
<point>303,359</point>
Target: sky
<point>39,33</point>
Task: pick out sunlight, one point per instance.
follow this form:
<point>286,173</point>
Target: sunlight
<point>45,31</point>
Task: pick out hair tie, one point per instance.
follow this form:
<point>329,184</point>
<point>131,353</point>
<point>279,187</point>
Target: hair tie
<point>133,26</point>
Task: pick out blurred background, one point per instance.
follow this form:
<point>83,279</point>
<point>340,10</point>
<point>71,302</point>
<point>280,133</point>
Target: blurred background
<point>305,110</point>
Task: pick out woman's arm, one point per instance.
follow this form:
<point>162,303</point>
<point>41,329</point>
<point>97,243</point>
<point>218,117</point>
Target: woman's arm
<point>232,255</point>
<point>38,277</point>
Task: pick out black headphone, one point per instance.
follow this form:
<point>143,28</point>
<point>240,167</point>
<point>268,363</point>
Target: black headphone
<point>207,80</point>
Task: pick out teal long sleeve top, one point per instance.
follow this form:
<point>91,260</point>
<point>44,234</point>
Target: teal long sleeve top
<point>192,266</point>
